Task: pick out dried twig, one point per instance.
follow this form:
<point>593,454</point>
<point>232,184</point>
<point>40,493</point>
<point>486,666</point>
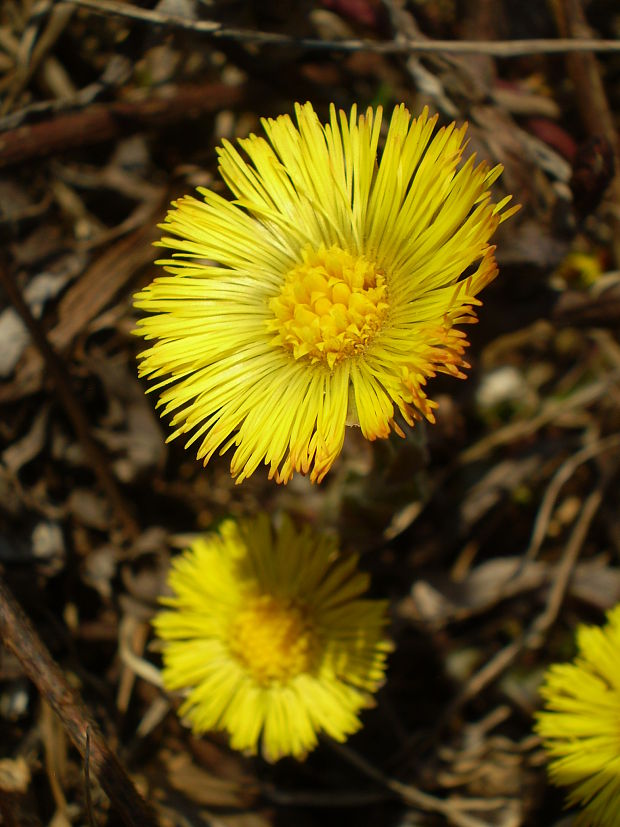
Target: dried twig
<point>497,48</point>
<point>102,122</point>
<point>551,410</point>
<point>319,799</point>
<point>453,809</point>
<point>404,29</point>
<point>19,636</point>
<point>560,478</point>
<point>533,636</point>
<point>71,404</point>
<point>590,96</point>
<point>87,782</point>
<point>536,633</point>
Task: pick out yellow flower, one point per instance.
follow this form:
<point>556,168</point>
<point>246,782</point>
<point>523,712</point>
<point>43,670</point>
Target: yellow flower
<point>268,632</point>
<point>580,726</point>
<point>325,294</point>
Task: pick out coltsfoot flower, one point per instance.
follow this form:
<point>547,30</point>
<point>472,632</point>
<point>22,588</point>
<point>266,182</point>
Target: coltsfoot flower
<point>580,724</point>
<point>325,294</point>
<point>269,633</point>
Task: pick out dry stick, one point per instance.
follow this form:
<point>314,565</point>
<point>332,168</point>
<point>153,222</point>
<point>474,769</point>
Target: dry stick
<point>452,809</point>
<point>533,636</point>
<point>71,405</point>
<point>87,794</point>
<point>19,636</point>
<point>497,48</point>
<point>317,800</point>
<point>549,411</point>
<point>103,122</point>
<point>543,622</point>
<point>560,478</point>
<point>596,113</point>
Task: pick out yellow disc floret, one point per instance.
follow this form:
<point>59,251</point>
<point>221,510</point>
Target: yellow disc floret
<point>273,639</point>
<point>330,306</point>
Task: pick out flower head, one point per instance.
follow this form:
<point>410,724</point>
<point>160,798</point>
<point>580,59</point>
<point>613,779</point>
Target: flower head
<point>325,294</point>
<point>580,724</point>
<point>270,634</point>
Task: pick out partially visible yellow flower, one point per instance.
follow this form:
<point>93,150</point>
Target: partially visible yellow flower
<point>579,268</point>
<point>269,633</point>
<point>580,724</point>
<point>325,294</point>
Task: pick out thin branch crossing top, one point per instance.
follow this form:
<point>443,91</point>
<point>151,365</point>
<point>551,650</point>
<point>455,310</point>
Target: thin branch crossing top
<point>210,28</point>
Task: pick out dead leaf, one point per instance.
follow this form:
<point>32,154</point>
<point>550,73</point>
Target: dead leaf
<point>204,787</point>
<point>14,775</point>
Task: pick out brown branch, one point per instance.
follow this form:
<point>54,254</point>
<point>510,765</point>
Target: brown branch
<point>596,114</point>
<point>87,783</point>
<point>454,809</point>
<point>497,48</point>
<point>19,636</point>
<point>560,478</point>
<point>537,632</point>
<point>550,410</point>
<point>585,73</point>
<point>533,637</point>
<point>71,404</point>
<point>103,122</point>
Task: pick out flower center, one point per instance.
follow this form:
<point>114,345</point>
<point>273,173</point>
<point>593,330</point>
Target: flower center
<point>330,306</point>
<point>273,639</point>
